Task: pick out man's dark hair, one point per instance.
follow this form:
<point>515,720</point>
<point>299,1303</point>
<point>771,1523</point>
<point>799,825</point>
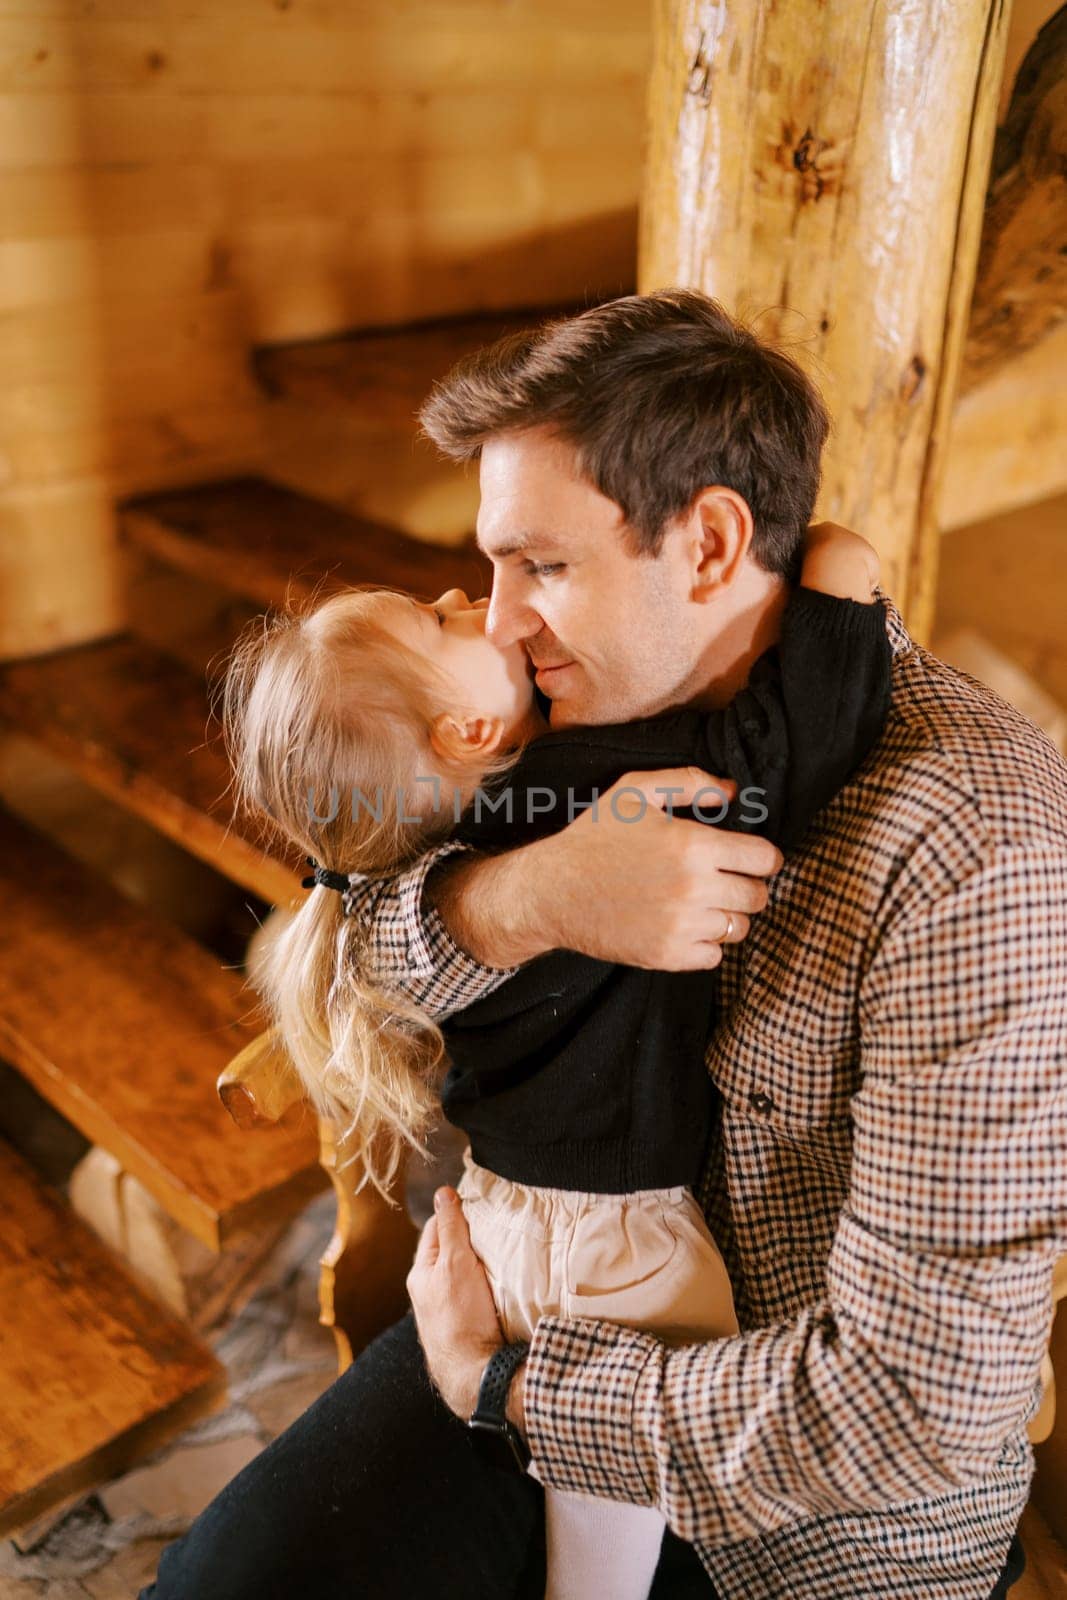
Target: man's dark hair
<point>661,395</point>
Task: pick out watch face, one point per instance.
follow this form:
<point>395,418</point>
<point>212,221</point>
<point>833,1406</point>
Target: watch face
<point>502,1444</point>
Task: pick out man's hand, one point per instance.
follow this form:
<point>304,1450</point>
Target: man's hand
<point>454,1309</point>
<point>626,883</point>
<point>635,885</point>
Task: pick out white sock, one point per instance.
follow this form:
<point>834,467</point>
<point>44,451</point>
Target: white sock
<point>600,1548</point>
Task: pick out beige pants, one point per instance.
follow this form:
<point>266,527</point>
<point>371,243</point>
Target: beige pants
<point>645,1260</point>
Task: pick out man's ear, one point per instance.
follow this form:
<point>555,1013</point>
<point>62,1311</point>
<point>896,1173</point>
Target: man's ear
<point>720,539</point>
<point>459,738</point>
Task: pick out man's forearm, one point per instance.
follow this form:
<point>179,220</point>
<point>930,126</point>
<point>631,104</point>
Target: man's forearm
<point>491,905</point>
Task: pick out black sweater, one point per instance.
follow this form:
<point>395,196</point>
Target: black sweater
<point>581,1074</point>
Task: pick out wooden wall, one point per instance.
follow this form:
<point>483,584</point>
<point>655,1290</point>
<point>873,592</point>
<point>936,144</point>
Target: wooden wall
<point>182,179</point>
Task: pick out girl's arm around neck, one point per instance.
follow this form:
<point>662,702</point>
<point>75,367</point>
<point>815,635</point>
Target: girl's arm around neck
<point>492,907</point>
<point>840,562</point>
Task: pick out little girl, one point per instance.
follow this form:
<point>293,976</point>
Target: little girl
<point>581,1085</point>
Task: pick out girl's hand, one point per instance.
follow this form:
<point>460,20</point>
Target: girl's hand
<point>839,562</point>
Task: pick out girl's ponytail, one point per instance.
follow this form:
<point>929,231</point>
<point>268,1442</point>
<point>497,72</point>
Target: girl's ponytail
<point>368,1059</point>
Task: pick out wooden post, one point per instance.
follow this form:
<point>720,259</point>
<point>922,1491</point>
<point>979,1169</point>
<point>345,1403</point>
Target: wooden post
<point>362,1282</point>
<point>362,1286</point>
<point>822,171</point>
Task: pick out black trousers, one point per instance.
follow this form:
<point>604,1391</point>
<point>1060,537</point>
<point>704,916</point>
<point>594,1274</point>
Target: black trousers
<point>379,1493</point>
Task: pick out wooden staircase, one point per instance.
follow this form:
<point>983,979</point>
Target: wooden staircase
<point>124,1023</point>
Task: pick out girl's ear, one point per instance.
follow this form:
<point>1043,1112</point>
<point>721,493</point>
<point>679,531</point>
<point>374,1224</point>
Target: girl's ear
<point>460,738</point>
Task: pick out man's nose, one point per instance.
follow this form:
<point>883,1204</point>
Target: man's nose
<point>507,619</point>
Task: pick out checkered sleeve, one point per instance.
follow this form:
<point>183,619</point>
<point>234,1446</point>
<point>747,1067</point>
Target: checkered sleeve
<point>918,1369</point>
<point>408,947</point>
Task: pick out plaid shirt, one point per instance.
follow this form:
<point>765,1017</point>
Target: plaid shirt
<point>888,1182</point>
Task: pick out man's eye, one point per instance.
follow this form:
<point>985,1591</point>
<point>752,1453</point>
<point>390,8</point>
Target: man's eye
<point>545,569</point>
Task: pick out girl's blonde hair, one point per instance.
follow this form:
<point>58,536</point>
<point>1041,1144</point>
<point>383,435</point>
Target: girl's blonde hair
<point>326,719</point>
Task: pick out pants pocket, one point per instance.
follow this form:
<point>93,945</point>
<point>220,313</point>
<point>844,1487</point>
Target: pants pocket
<point>661,1273</point>
<point>620,1262</point>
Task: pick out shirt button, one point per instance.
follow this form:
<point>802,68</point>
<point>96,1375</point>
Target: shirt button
<point>761,1102</point>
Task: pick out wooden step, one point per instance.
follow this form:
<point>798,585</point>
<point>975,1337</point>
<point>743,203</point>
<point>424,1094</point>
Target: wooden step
<point>263,541</point>
<point>93,1374</point>
<point>343,423</point>
<point>124,1023</point>
<point>384,374</point>
<point>135,724</point>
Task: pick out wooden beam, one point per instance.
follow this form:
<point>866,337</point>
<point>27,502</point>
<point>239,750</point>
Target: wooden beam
<point>822,170</point>
<point>1020,291</point>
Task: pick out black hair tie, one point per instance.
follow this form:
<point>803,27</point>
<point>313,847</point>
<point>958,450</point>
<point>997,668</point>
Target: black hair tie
<point>324,878</point>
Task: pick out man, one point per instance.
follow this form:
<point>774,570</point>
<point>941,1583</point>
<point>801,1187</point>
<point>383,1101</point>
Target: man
<point>887,1178</point>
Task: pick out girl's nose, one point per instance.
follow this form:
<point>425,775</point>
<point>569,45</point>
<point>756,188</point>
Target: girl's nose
<point>453,600</point>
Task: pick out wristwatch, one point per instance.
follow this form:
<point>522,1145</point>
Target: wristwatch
<point>499,1437</point>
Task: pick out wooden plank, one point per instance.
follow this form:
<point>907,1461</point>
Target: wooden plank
<point>1003,577</point>
<point>179,263</point>
<point>520,53</point>
<point>124,1023</point>
<point>136,724</point>
<point>177,443</point>
<point>228,56</point>
<point>105,342</point>
<point>53,130</point>
<point>93,1374</point>
<point>67,201</point>
<point>39,130</point>
<point>59,568</point>
<point>261,540</point>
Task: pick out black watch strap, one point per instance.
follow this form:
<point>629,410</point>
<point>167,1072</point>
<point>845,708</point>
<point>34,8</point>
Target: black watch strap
<point>496,1380</point>
<point>489,1420</point>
